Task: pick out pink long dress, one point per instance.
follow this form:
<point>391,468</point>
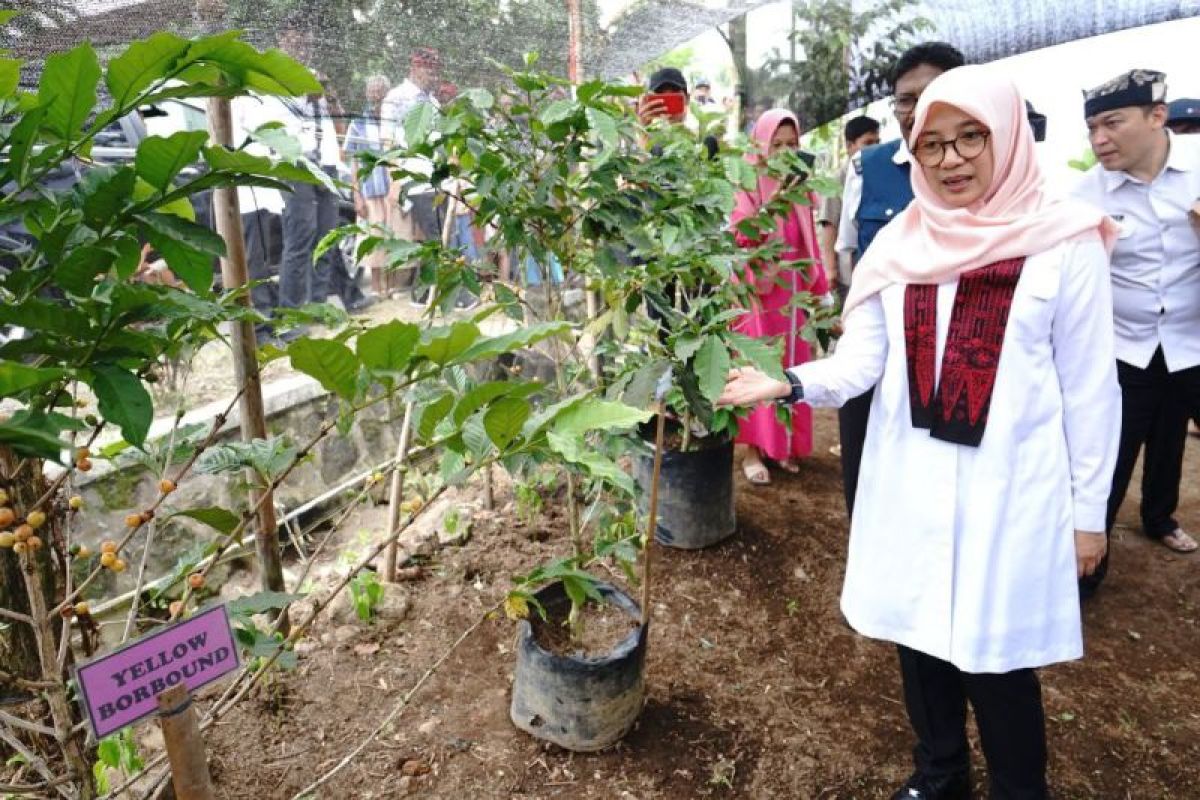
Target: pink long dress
<point>768,316</point>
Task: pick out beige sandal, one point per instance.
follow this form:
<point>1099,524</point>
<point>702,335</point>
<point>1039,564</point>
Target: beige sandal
<point>1179,541</point>
<point>757,474</point>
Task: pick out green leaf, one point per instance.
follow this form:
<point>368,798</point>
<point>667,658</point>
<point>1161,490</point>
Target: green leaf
<point>418,122</point>
<point>178,207</point>
<point>504,420</point>
<point>475,436</point>
<point>259,602</point>
<point>159,159</point>
<point>443,345</point>
<point>16,377</point>
<point>142,63</point>
<point>268,457</point>
<point>431,413</point>
<point>193,267</point>
<point>762,354</point>
<point>106,191</point>
<point>574,449</point>
<point>215,517</point>
<point>10,76</point>
<point>452,467</point>
<point>484,393</point>
<point>711,367</point>
<point>604,129</point>
<point>330,362</point>
<point>686,347</point>
<point>123,401</point>
<point>32,434</point>
<point>482,99</point>
<point>68,89</point>
<point>640,391</point>
<point>109,752</point>
<point>557,111</point>
<point>196,237</point>
<point>511,342</point>
<point>594,414</point>
<point>388,347</point>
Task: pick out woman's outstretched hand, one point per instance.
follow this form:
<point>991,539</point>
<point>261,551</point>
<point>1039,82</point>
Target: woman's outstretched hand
<point>747,386</point>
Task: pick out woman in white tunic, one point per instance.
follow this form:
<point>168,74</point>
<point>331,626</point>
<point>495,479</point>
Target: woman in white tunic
<point>984,314</point>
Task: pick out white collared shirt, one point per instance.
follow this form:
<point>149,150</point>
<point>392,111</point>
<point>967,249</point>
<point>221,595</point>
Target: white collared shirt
<point>847,239</point>
<point>1156,264</point>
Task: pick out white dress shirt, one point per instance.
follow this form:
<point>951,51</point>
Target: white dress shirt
<point>396,106</point>
<point>1156,264</point>
<point>968,553</point>
<point>847,238</point>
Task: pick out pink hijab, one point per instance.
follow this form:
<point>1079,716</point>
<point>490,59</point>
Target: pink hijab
<point>930,243</point>
<point>748,203</point>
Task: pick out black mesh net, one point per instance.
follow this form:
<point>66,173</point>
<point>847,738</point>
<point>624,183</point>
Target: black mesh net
<point>352,39</point>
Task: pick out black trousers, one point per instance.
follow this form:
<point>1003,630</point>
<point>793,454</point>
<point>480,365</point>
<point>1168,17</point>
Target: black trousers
<point>1155,407</point>
<point>1008,712</point>
<point>309,212</point>
<point>852,431</point>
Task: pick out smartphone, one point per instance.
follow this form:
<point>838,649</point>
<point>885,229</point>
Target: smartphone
<point>673,101</point>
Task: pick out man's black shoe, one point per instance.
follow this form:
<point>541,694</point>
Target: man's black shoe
<point>946,787</point>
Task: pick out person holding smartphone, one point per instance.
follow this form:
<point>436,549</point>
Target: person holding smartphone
<point>983,312</point>
<point>771,314</point>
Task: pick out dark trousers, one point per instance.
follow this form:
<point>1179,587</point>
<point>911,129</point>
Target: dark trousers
<point>309,212</point>
<point>265,294</point>
<point>852,430</point>
<point>1155,406</point>
<point>1008,712</point>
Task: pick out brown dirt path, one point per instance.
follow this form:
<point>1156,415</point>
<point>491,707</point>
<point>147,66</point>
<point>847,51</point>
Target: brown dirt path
<point>757,689</point>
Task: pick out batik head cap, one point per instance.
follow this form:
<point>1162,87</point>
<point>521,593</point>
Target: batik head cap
<point>1138,87</point>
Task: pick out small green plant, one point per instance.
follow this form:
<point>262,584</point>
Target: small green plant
<point>366,591</point>
<point>117,752</point>
<point>530,504</point>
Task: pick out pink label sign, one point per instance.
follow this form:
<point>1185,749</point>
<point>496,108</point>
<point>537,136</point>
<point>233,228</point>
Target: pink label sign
<point>120,688</point>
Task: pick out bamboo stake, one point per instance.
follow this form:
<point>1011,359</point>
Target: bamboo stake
<point>652,517</point>
<point>397,495</point>
<point>185,747</point>
<point>234,275</point>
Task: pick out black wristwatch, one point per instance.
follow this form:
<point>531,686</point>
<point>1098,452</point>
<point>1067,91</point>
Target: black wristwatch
<point>794,396</point>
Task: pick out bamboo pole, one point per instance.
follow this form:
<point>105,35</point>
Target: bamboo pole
<point>234,275</point>
<point>397,495</point>
<point>652,517</point>
<point>185,747</point>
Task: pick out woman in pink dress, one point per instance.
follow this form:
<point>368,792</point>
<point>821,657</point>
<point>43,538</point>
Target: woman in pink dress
<point>798,269</point>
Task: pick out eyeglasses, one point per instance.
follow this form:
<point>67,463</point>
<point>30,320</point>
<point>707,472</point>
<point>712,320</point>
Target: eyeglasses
<point>904,104</point>
<point>968,145</point>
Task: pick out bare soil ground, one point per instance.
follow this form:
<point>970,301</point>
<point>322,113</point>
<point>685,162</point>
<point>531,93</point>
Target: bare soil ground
<point>756,687</point>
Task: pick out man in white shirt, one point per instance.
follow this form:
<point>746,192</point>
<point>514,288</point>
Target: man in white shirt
<point>1148,180</point>
<point>416,219</point>
<point>310,210</point>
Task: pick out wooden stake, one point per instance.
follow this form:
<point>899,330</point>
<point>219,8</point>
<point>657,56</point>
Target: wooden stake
<point>652,521</point>
<point>185,747</point>
<point>234,275</point>
<point>397,495</point>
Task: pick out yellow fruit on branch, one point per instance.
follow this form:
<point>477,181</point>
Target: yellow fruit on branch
<point>108,546</point>
<point>36,519</point>
<point>7,539</point>
<point>108,559</point>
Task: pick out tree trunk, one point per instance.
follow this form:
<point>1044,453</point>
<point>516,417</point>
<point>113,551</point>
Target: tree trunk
<point>737,45</point>
<point>18,643</point>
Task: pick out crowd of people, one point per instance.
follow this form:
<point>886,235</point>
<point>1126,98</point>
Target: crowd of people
<point>1006,357</point>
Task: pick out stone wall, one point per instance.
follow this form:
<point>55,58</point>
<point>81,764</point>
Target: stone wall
<point>296,407</point>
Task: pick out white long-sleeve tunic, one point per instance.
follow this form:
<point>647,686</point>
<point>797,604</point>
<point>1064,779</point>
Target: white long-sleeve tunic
<point>968,553</point>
